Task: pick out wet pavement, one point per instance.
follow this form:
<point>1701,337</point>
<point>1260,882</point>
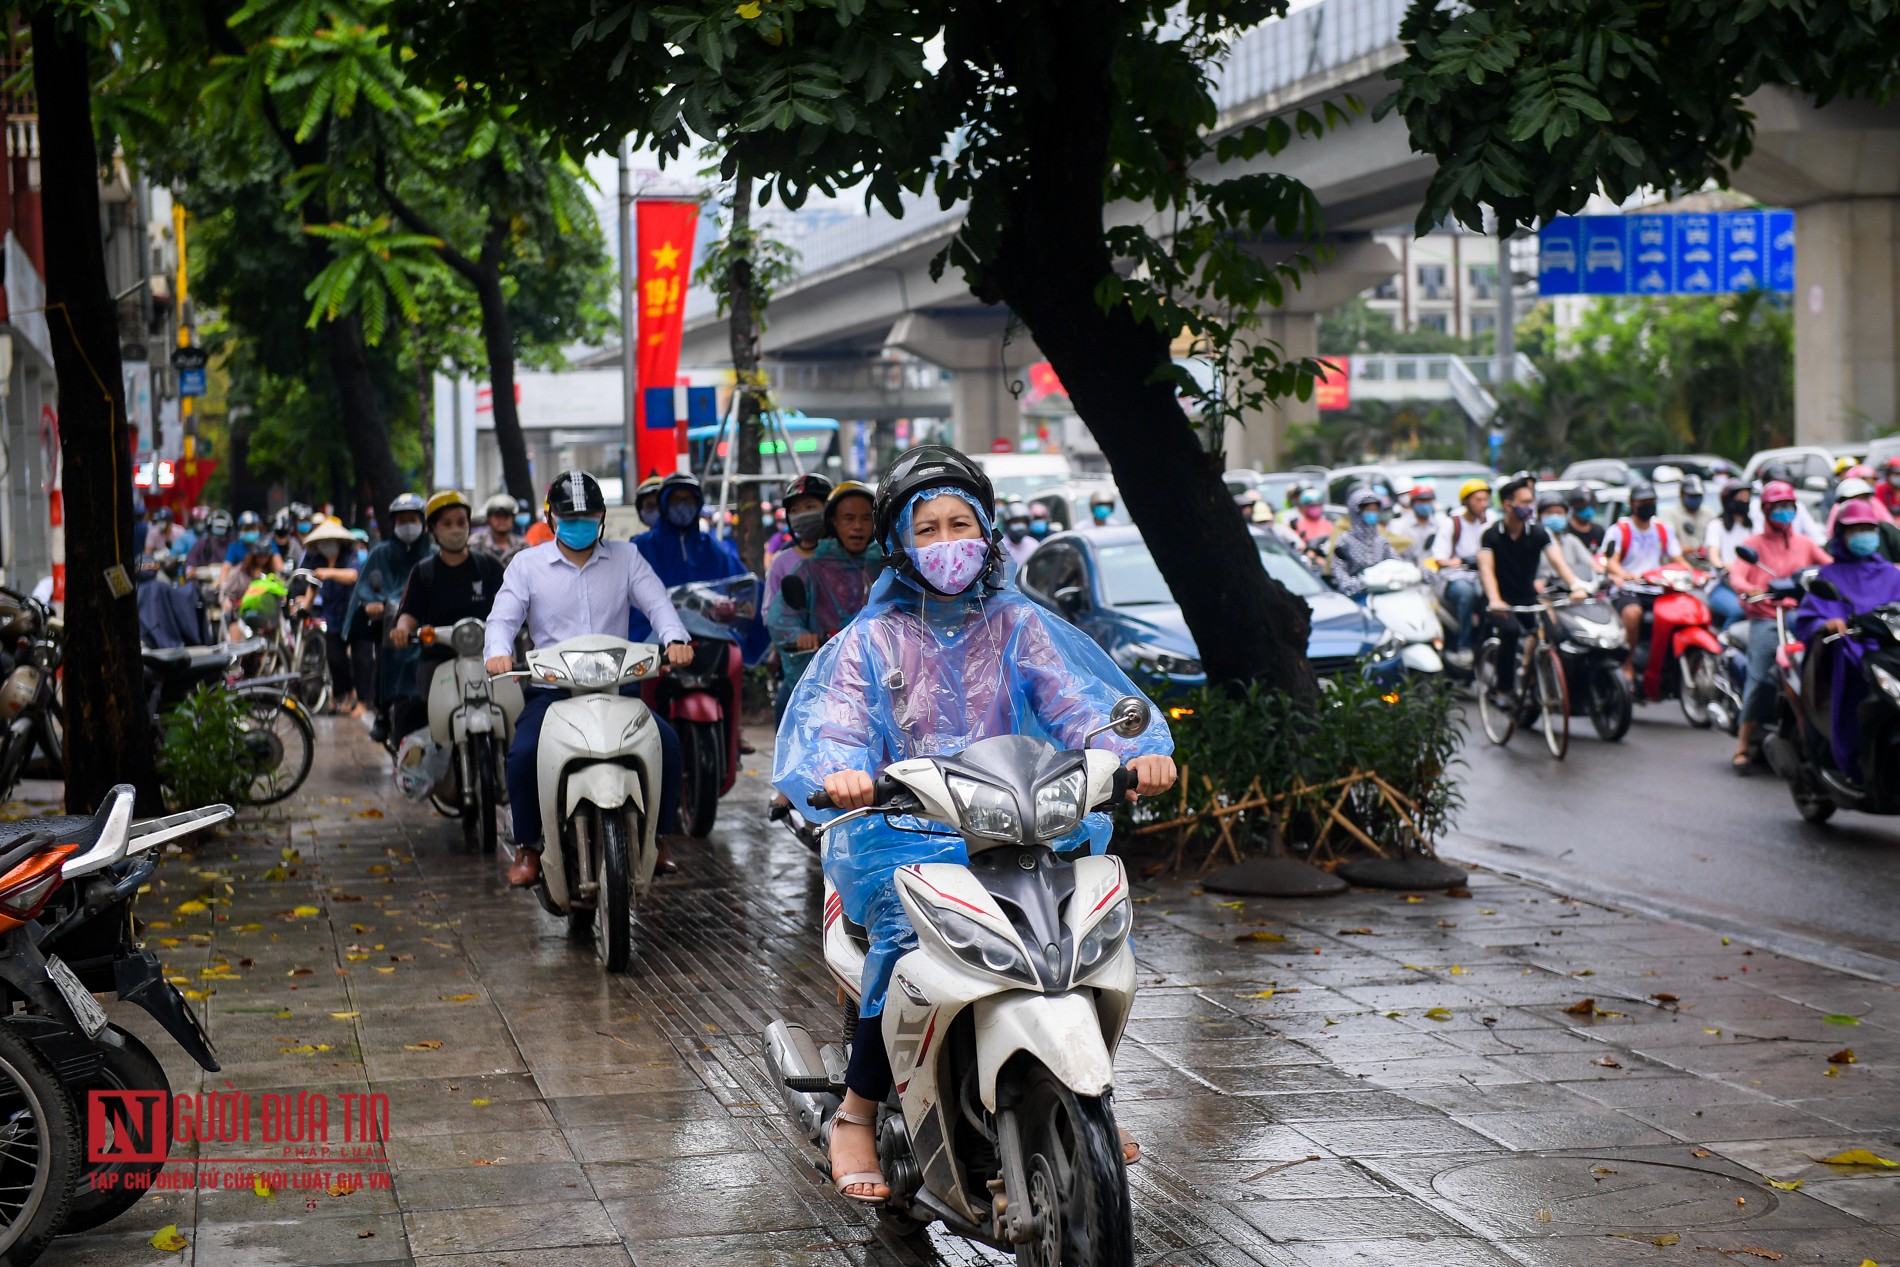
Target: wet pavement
<point>1380,1078</point>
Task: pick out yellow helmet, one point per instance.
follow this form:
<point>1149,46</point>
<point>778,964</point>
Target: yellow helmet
<point>442,501</point>
<point>1471,486</point>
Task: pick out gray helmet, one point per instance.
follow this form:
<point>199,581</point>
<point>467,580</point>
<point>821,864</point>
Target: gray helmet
<point>1691,485</point>
<point>1642,491</point>
<point>499,504</point>
<point>406,502</point>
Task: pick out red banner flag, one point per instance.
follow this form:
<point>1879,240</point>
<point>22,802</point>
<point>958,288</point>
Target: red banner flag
<point>665,263</point>
<point>1333,390</point>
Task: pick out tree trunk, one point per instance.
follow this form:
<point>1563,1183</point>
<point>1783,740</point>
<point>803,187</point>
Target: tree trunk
<point>745,366</point>
<point>247,491</point>
<point>1050,258</point>
<point>108,731</point>
<point>365,429</point>
<point>498,340</point>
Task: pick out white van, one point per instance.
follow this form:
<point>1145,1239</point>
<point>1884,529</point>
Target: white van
<point>1017,476</point>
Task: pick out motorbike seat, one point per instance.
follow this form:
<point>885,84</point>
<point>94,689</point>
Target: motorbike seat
<point>65,829</point>
<point>164,658</point>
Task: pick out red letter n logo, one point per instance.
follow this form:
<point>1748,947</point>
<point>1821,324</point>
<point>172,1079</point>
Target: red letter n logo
<point>126,1126</point>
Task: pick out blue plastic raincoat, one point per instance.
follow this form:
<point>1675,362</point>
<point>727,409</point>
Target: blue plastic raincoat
<point>913,677</point>
<point>679,555</point>
<point>837,585</point>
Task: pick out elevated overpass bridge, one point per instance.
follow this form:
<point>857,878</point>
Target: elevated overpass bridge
<point>863,286</point>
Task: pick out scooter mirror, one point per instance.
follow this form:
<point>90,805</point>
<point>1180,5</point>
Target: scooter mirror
<point>1823,588</point>
<point>792,590</point>
<point>1747,554</point>
<point>1130,717</point>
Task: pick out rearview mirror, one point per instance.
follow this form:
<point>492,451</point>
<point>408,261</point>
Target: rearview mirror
<point>1129,719</point>
<point>1747,554</point>
<point>1821,587</point>
<point>1071,600</point>
<point>792,589</point>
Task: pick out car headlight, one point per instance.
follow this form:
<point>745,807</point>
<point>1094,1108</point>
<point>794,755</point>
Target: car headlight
<point>1059,805</point>
<point>1153,659</point>
<point>592,668</point>
<point>1888,682</point>
<point>987,811</point>
<point>466,638</point>
<point>978,946</point>
<point>1102,940</point>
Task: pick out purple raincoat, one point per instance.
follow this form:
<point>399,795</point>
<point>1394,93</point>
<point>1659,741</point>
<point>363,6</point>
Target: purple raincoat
<point>1864,585</point>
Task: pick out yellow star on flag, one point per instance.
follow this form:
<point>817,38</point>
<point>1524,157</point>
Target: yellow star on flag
<point>666,256</point>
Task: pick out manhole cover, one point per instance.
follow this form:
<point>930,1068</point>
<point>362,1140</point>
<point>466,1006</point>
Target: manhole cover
<point>1601,1194</point>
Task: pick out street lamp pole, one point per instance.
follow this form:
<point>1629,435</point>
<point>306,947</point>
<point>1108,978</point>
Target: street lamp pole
<point>628,385</point>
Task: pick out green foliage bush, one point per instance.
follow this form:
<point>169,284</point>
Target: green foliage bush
<point>1409,735</point>
<point>201,757</point>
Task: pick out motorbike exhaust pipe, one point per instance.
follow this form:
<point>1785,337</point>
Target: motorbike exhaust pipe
<point>798,1070</point>
<point>1782,758</point>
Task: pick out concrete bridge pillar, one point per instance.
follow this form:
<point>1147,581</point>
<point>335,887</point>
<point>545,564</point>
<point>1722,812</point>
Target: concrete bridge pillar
<point>1839,168</point>
<point>1258,438</point>
<point>985,356</point>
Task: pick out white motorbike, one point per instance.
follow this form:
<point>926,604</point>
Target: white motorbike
<point>1398,595</point>
<point>1002,1024</point>
<point>598,768</point>
<point>473,717</point>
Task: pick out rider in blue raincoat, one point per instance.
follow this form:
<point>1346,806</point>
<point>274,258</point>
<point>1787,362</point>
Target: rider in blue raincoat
<point>679,551</point>
<point>944,654</point>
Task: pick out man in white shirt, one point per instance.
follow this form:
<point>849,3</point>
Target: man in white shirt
<point>576,584</point>
<point>1455,549</point>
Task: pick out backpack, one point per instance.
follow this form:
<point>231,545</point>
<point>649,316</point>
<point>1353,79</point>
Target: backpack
<point>1662,539</point>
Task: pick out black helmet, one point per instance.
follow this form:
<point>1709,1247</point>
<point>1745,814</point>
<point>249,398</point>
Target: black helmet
<point>1580,497</point>
<point>405,502</point>
<point>575,493</point>
<point>924,467</point>
<point>248,520</point>
<point>1774,472</point>
<point>1642,491</point>
<point>1550,497</point>
<point>678,480</point>
<point>812,485</point>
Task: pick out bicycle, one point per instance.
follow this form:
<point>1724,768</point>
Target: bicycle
<point>1539,684</point>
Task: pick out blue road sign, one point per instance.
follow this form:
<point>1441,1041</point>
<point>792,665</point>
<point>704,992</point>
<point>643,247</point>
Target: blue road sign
<point>659,408</point>
<point>1605,256</point>
<point>1697,269</point>
<point>1781,250</point>
<point>1558,259</point>
<point>702,406</point>
<point>1652,263</point>
<point>191,382</point>
<point>1744,250</point>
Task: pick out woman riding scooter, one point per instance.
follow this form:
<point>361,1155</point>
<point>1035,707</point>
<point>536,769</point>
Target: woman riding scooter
<point>944,654</point>
<point>1865,581</point>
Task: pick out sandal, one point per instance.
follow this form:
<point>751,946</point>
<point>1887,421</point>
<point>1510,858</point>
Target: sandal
<point>1131,1149</point>
<point>1740,763</point>
<point>853,1180</point>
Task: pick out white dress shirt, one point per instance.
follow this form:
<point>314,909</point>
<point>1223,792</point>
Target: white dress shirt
<point>558,600</point>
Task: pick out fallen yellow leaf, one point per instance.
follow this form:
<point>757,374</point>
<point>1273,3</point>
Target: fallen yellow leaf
<point>1413,897</point>
<point>1666,1240</point>
<point>193,907</point>
<point>427,1044</point>
<point>199,995</point>
<point>357,958</point>
<point>455,998</point>
<point>167,1239</point>
<point>1438,1013</point>
<point>1859,1157</point>
<point>261,1188</point>
<point>1457,971</point>
<point>1789,1185</point>
<point>345,1016</point>
<point>341,1189</point>
<point>1261,936</point>
<point>1845,1056</point>
<point>305,912</point>
<point>481,1104</point>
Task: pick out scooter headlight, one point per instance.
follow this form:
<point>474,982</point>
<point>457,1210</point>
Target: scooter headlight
<point>466,638</point>
<point>1102,940</point>
<point>986,811</point>
<point>592,668</point>
<point>978,946</point>
<point>1593,633</point>
<point>1059,805</point>
<point>1886,681</point>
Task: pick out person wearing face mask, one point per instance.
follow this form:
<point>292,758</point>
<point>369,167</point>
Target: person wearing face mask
<point>212,544</point>
<point>497,535</point>
<point>250,529</point>
<point>1853,490</point>
<point>576,584</point>
<point>836,581</point>
<point>452,584</point>
<point>1638,543</point>
<point>1689,518</point>
<point>1310,520</point>
<point>1101,507</point>
<point>1804,520</point>
<point>945,653</point>
<point>679,550</point>
<point>804,504</point>
<point>1582,521</point>
<point>332,556</point>
<point>646,499</point>
<point>1455,551</point>
<point>1508,560</point>
<point>1888,490</point>
<point>1016,538</point>
<point>1729,529</point>
<point>379,587</point>
<point>1865,580</point>
<point>1362,544</point>
<point>1780,551</point>
<point>1553,513</point>
<point>1419,526</point>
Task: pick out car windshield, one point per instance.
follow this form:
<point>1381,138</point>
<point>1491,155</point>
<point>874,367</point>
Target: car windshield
<point>1021,487</point>
<point>1131,579</point>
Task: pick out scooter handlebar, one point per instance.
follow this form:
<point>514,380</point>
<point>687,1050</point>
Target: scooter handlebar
<point>883,789</point>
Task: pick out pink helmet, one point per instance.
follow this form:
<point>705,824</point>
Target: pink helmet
<point>1856,512</point>
<point>1777,491</point>
<point>1858,471</point>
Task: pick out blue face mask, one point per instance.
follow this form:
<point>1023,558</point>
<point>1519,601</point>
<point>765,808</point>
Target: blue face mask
<point>649,515</point>
<point>1553,524</point>
<point>1370,518</point>
<point>1692,501</point>
<point>1101,513</point>
<point>247,537</point>
<point>578,533</point>
<point>1782,514</point>
<point>1038,527</point>
<point>523,520</point>
<point>682,514</point>
<point>1587,514</point>
<point>1864,545</point>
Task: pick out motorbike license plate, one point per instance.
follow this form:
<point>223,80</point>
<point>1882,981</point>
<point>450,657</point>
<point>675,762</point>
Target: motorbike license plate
<point>92,1017</point>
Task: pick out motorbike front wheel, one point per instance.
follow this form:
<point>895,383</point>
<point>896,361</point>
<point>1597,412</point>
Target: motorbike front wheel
<point>488,789</point>
<point>96,1200</point>
<point>1698,687</point>
<point>703,760</point>
<point>1609,704</point>
<point>1498,722</point>
<point>40,1151</point>
<point>613,914</point>
<point>1078,1185</point>
<point>1553,695</point>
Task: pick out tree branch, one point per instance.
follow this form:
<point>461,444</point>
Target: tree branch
<point>410,216</point>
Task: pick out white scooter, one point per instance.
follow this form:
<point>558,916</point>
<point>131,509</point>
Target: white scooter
<point>474,717</point>
<point>1397,594</point>
<point>1002,1024</point>
<point>597,765</point>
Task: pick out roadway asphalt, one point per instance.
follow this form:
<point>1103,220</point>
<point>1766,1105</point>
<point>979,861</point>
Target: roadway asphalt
<point>1658,822</point>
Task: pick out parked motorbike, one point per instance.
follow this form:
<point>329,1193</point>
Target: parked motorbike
<point>474,717</point>
<point>1396,593</point>
<point>66,886</point>
<point>280,739</point>
<point>598,769</point>
<point>302,650</point>
<point>702,700</point>
<point>1678,656</point>
<point>1592,646</point>
<point>1002,1023</point>
<point>1799,748</point>
<point>29,695</point>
